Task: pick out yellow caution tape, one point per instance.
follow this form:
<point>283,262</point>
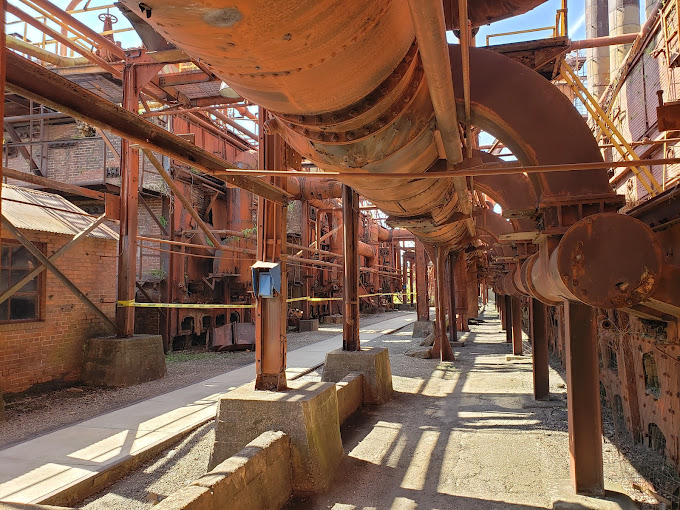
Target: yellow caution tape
<point>133,303</point>
<point>180,305</point>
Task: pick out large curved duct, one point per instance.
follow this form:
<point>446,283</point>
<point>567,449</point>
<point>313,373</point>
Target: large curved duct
<point>346,88</point>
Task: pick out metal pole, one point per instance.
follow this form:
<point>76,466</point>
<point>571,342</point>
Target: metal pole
<point>516,325</point>
<point>539,351</point>
<point>583,400</point>
<point>350,217</point>
<point>422,301</point>
<point>453,322</point>
<point>508,318</point>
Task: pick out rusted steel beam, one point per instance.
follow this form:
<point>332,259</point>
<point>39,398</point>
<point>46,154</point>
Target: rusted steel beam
<point>81,27</point>
<point>442,346</point>
<point>129,204</point>
<point>188,206</point>
<point>3,52</point>
<point>539,350</point>
<point>516,325</point>
<point>464,32</point>
<point>34,82</point>
<point>350,238</point>
<point>63,40</point>
<point>173,79</point>
<point>23,150</point>
<point>422,299</point>
<point>51,183</point>
<point>61,251</point>
<point>583,400</point>
<point>16,233</point>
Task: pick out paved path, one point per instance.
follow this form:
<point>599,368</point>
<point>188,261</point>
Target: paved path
<point>39,469</point>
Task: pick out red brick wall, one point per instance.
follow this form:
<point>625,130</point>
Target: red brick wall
<point>51,349</point>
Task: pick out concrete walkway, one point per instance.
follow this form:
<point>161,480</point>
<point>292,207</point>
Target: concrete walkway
<point>464,435</point>
<point>79,457</point>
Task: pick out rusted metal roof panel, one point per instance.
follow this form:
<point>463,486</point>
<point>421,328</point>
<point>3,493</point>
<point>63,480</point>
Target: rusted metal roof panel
<point>45,212</point>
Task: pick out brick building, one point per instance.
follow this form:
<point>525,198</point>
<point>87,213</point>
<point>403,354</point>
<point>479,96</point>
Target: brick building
<point>43,326</point>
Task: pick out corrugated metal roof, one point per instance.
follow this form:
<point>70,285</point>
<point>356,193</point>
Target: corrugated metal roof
<point>36,210</point>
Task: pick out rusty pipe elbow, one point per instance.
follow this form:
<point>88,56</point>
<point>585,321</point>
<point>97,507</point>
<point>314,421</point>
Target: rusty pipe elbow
<point>606,260</point>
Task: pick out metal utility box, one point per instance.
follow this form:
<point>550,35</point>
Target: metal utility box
<point>266,279</point>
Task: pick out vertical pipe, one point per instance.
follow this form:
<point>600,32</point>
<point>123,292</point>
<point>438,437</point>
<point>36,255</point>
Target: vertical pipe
<point>583,400</point>
<point>441,347</point>
<point>453,322</point>
<point>539,351</point>
<point>306,273</point>
<point>508,318</point>
<point>350,216</point>
<point>422,300</point>
<point>129,194</point>
<point>516,325</point>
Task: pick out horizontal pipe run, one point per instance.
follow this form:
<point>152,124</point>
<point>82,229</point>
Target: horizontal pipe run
<point>482,170</point>
<point>600,42</point>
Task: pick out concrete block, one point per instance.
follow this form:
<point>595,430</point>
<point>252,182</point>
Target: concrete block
<point>259,476</point>
<point>350,395</point>
<point>309,325</point>
<point>373,363</point>
<point>421,329</point>
<point>189,498</point>
<point>117,362</point>
<point>457,344</point>
<point>307,412</point>
<point>332,319</point>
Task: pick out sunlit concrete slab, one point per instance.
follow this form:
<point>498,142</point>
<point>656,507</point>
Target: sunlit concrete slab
<point>76,461</point>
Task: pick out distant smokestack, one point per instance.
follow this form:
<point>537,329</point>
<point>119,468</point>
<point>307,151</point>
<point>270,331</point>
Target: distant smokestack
<point>624,18</point>
<point>597,59</point>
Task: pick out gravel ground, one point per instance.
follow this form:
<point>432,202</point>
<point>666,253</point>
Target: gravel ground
<point>29,416</point>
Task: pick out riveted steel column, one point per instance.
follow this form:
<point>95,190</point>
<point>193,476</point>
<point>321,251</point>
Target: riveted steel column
<point>271,313</point>
<point>507,303</point>
<point>350,217</point>
<point>2,90</point>
<point>306,272</point>
<point>452,298</point>
<point>516,325</point>
<point>129,196</point>
<point>441,347</point>
<point>422,300</point>
<point>539,350</point>
<point>583,400</point>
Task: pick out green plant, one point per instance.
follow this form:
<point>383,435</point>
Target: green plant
<point>163,220</point>
<point>158,273</point>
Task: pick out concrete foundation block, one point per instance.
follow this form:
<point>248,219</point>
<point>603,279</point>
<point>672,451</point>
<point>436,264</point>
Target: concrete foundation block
<point>332,319</point>
<point>350,395</point>
<point>421,329</point>
<point>373,363</point>
<point>615,498</point>
<point>403,306</point>
<point>117,362</point>
<point>309,325</point>
<point>307,412</point>
<point>457,344</point>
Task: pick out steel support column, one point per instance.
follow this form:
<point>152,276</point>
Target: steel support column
<point>516,325</point>
<point>583,400</point>
<point>539,350</point>
<point>350,237</point>
<point>3,39</point>
<point>461,284</point>
<point>442,346</point>
<point>306,272</point>
<point>453,322</point>
<point>271,313</point>
<point>129,202</point>
<point>507,306</point>
<point>422,300</point>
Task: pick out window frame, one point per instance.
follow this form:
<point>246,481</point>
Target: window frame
<point>41,287</point>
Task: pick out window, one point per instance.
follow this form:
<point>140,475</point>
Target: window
<point>657,441</point>
<point>15,263</point>
<point>612,361</point>
<point>651,376</point>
